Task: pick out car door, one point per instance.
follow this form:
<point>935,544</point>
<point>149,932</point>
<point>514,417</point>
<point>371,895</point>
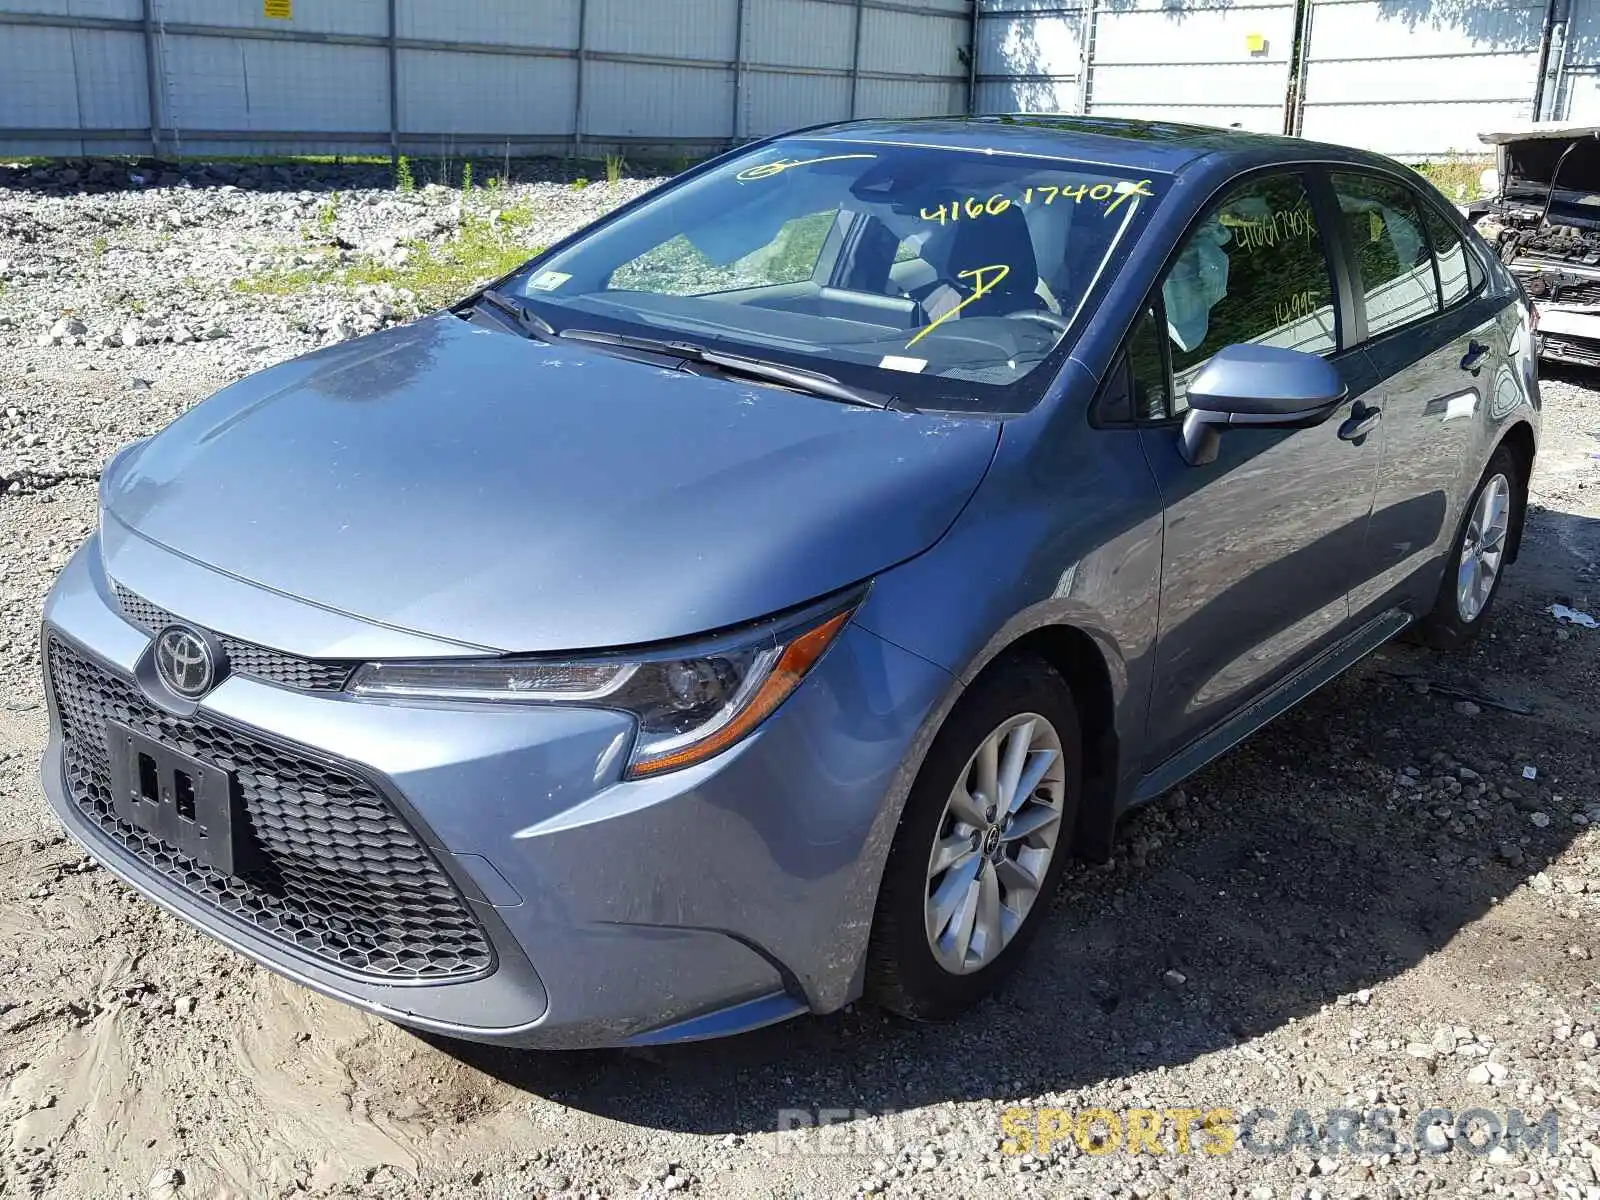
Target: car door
<point>1432,335</point>
<point>1261,546</point>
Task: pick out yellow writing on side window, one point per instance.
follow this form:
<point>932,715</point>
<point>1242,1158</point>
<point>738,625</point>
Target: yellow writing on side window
<point>1294,308</point>
<point>278,10</point>
<point>768,170</point>
<point>985,280</point>
<point>1255,233</point>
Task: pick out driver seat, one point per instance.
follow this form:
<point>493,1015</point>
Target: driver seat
<point>971,245</point>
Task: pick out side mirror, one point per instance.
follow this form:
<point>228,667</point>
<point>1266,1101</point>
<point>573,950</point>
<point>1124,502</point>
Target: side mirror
<point>1263,386</point>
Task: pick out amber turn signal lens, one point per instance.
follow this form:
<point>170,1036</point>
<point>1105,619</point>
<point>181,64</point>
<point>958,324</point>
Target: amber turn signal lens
<point>792,666</point>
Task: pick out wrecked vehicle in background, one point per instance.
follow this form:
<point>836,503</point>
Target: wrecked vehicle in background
<point>1544,221</point>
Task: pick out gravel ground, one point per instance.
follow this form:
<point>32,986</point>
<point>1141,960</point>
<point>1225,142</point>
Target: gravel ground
<point>1389,899</point>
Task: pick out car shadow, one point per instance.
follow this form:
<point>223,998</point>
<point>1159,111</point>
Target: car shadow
<point>1301,868</point>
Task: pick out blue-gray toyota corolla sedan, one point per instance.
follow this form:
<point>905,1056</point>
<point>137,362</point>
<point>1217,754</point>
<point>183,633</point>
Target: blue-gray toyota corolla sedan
<point>755,601</point>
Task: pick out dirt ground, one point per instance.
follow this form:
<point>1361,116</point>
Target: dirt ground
<point>1368,904</point>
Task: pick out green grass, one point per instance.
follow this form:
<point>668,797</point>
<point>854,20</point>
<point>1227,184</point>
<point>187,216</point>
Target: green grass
<point>1456,175</point>
<point>403,181</point>
<point>615,166</point>
<point>437,274</point>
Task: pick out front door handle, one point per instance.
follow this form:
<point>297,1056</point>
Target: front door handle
<point>1362,421</point>
<point>1473,358</point>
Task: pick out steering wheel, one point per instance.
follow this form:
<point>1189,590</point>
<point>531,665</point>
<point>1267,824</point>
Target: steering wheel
<point>1059,324</point>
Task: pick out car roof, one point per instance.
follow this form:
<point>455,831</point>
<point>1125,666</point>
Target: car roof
<point>1164,146</point>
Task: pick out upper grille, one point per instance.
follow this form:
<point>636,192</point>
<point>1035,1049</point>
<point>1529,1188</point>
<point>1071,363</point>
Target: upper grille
<point>246,658</point>
<point>1586,291</point>
<point>332,869</point>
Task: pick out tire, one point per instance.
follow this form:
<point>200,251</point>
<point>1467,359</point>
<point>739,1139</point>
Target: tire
<point>905,973</point>
<point>1454,621</point>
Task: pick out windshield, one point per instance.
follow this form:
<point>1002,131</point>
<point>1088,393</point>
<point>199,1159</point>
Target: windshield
<point>947,277</point>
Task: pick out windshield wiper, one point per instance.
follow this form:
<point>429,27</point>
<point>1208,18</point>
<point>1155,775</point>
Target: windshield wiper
<point>798,378</point>
<point>527,320</point>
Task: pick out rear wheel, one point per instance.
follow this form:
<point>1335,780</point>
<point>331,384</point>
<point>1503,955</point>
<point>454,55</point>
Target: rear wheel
<point>1475,567</point>
<point>981,845</point>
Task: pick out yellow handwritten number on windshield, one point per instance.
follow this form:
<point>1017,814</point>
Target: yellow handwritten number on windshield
<point>768,170</point>
<point>985,280</point>
<point>1126,189</point>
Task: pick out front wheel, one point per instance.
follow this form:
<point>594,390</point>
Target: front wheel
<point>1475,567</point>
<point>981,845</point>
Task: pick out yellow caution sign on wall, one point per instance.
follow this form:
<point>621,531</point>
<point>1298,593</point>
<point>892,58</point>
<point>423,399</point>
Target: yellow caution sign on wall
<point>278,10</point>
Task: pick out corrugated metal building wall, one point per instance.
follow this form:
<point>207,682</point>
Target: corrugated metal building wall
<point>1030,56</point>
<point>1407,77</point>
<point>1573,77</point>
<point>1410,78</point>
<point>1193,60</point>
<point>359,76</point>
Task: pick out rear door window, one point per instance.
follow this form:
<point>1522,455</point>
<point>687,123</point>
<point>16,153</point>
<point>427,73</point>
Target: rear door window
<point>1253,270</point>
<point>1392,251</point>
<point>1450,252</point>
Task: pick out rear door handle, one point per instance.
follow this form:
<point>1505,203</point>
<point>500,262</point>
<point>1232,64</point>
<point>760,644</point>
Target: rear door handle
<point>1473,358</point>
<point>1362,421</point>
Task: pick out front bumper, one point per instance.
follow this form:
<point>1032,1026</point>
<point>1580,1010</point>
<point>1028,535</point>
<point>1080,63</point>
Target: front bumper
<point>1568,296</point>
<point>704,902</point>
<point>1566,335</point>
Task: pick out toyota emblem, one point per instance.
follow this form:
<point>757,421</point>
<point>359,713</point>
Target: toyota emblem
<point>185,662</point>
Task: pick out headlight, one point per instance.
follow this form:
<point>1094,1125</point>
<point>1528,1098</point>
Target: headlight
<point>689,707</point>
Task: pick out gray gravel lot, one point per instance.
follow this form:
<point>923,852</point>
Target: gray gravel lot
<point>1370,905</point>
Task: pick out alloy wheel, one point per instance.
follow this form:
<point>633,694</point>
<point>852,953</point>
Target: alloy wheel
<point>1483,548</point>
<point>995,842</point>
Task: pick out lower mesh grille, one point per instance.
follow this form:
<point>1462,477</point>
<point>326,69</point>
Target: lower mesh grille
<point>1572,349</point>
<point>245,658</point>
<point>334,871</point>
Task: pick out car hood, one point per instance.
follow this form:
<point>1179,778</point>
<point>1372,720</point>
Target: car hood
<point>504,493</point>
<point>1556,169</point>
